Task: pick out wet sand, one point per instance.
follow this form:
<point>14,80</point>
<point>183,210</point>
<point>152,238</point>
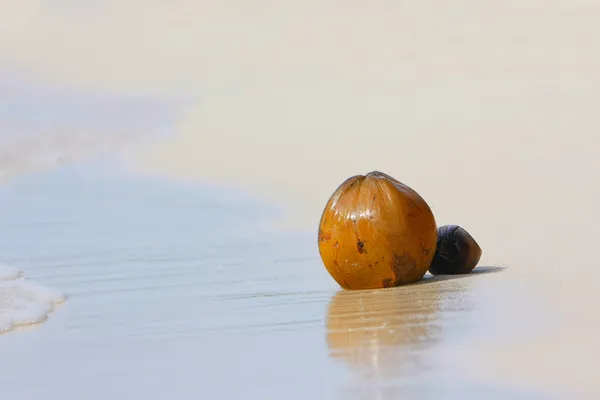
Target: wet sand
<point>198,300</point>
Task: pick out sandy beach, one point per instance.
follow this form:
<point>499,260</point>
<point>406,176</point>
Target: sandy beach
<point>161,184</point>
<point>197,302</point>
<point>185,284</point>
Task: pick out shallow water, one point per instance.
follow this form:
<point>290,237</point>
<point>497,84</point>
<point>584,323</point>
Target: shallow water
<point>177,291</point>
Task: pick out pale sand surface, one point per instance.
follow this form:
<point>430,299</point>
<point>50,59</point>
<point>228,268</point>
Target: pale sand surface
<point>176,291</point>
<point>488,109</point>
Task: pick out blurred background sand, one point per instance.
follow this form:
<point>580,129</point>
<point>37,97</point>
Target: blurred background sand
<point>487,109</point>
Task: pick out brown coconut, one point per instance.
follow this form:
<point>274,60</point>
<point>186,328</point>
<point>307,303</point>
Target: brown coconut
<point>376,232</point>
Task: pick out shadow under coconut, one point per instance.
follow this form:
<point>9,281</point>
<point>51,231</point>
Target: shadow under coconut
<point>477,271</point>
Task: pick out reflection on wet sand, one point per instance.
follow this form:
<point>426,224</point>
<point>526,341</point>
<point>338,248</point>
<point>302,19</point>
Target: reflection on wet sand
<point>377,329</point>
<point>385,335</point>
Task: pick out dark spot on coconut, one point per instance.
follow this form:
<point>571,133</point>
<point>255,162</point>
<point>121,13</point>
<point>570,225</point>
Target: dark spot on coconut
<point>425,250</point>
<point>324,237</point>
<point>387,282</point>
<point>414,205</point>
<point>336,244</point>
<point>348,286</point>
<point>335,263</point>
<point>403,266</point>
<point>361,247</point>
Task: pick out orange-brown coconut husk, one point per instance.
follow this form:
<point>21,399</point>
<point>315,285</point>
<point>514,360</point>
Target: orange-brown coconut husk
<point>376,232</point>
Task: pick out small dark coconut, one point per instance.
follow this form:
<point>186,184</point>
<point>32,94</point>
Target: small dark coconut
<point>456,253</point>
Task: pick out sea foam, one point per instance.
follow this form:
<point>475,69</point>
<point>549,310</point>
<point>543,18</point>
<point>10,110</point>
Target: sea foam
<point>23,302</point>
